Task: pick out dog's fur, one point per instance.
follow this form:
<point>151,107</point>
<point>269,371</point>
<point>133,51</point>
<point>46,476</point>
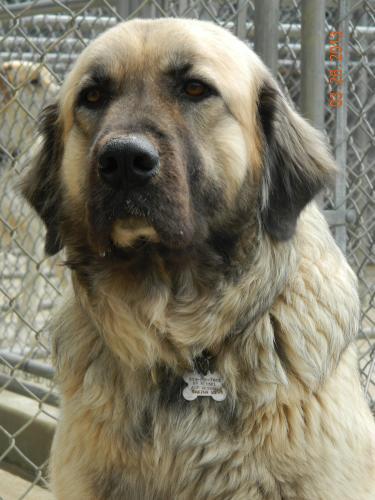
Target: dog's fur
<point>223,251</point>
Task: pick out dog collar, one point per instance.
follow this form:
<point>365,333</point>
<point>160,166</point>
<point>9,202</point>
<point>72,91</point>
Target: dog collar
<point>203,363</point>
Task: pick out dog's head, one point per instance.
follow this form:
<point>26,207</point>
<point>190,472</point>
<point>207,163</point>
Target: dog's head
<point>24,88</point>
<point>169,132</point>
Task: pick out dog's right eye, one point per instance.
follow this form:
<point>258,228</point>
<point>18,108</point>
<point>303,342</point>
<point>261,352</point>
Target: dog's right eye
<point>92,97</point>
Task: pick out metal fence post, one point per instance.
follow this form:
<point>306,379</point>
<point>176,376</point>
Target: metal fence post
<point>126,7</point>
<point>341,122</point>
<point>312,61</point>
<point>241,19</point>
<point>182,7</point>
<point>267,31</point>
<point>312,65</point>
<point>362,83</point>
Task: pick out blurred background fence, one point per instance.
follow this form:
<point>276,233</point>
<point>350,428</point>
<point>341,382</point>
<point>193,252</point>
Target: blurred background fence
<point>39,42</point>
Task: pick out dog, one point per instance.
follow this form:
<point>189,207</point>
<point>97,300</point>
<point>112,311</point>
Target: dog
<point>24,88</point>
<point>206,349</point>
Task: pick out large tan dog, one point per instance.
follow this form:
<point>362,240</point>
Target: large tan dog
<point>206,352</point>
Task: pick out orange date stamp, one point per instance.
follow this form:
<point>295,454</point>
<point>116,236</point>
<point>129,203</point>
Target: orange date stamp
<point>336,76</point>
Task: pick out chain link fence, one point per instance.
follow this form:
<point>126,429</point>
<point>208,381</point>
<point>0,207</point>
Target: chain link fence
<point>39,42</point>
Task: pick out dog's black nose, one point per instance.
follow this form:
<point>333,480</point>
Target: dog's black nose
<point>128,161</point>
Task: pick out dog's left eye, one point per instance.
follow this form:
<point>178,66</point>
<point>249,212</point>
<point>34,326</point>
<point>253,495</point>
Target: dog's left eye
<point>197,90</point>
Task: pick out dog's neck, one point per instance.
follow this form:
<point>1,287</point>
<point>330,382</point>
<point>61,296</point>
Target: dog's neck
<point>177,306</point>
<point>262,325</point>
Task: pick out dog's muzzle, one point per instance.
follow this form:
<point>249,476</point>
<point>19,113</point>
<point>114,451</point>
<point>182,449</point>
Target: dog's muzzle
<point>126,162</point>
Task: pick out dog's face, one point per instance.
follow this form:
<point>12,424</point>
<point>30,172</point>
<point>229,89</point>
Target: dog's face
<point>170,132</point>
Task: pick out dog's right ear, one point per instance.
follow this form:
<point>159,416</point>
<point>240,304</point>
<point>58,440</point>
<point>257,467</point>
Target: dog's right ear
<point>41,185</point>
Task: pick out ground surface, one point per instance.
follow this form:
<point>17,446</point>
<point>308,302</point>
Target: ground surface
<point>13,488</point>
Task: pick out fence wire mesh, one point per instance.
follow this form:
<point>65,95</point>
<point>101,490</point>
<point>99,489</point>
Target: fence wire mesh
<point>39,42</point>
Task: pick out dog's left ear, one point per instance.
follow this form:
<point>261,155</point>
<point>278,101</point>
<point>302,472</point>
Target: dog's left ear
<point>41,185</point>
<point>296,163</point>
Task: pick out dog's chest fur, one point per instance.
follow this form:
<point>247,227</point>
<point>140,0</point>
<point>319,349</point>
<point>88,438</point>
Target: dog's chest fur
<point>141,441</point>
<point>149,442</point>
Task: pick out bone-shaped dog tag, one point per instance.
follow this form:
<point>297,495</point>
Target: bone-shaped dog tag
<point>204,385</point>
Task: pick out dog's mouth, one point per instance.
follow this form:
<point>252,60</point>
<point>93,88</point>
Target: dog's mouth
<point>147,217</point>
<point>129,232</point>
